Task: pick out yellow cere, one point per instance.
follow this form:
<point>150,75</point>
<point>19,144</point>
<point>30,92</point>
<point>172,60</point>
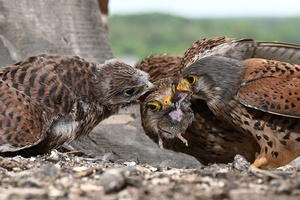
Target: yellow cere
<point>167,100</point>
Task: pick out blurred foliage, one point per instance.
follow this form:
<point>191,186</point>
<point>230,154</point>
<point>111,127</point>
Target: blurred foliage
<point>143,34</point>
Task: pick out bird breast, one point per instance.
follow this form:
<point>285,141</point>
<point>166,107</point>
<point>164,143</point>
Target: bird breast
<point>65,128</point>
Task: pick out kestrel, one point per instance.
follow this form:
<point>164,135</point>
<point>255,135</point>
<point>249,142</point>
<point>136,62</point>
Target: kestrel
<point>258,97</point>
<point>209,139</point>
<point>170,121</point>
<point>47,100</point>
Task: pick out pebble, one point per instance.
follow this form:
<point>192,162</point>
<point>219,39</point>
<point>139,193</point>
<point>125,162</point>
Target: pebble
<point>113,180</point>
<point>74,177</point>
<point>240,163</point>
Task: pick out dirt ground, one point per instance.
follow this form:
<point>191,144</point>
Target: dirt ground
<point>110,168</point>
<point>66,176</point>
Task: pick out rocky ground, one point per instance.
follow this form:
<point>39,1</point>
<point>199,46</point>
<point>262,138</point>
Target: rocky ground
<point>68,176</point>
<point>119,162</point>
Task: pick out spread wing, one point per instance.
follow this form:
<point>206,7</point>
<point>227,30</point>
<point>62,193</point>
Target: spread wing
<point>241,49</point>
<point>283,52</point>
<point>271,86</point>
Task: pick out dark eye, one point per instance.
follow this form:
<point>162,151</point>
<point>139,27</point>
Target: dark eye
<point>190,79</point>
<point>154,106</point>
<point>130,92</point>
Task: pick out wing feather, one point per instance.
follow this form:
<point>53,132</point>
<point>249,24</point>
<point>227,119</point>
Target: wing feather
<point>271,86</point>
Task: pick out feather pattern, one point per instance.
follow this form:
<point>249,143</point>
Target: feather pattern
<point>70,94</point>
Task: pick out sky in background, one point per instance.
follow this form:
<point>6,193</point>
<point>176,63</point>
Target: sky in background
<point>209,8</point>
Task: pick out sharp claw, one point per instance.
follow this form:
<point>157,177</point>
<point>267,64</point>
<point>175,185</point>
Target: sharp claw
<point>182,139</point>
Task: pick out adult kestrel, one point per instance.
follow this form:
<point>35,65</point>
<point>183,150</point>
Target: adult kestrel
<point>258,97</point>
<point>47,100</point>
<point>171,121</point>
<point>209,139</point>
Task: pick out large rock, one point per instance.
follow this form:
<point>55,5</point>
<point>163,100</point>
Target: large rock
<point>30,27</point>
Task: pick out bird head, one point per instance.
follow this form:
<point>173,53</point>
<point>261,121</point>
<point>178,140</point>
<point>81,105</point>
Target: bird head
<point>121,84</point>
<point>166,112</point>
<point>212,77</point>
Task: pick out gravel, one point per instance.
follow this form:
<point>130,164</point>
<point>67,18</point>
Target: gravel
<point>67,176</point>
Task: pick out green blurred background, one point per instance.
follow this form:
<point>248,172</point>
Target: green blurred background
<point>141,34</point>
<point>138,28</point>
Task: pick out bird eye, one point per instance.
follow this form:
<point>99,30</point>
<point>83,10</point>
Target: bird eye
<point>190,79</point>
<point>154,106</point>
<point>130,92</point>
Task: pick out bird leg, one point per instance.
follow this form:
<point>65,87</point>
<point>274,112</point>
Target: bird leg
<point>182,139</point>
<point>258,163</point>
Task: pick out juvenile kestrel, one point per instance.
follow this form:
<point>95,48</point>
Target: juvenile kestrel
<point>47,100</point>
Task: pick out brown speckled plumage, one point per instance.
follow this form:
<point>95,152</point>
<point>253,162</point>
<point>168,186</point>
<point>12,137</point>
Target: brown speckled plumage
<point>159,66</point>
<point>47,100</point>
<point>258,97</point>
<point>209,138</point>
<point>240,49</point>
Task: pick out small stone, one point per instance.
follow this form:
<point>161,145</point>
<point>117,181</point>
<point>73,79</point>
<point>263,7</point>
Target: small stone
<point>86,172</point>
<point>285,187</point>
<point>47,171</point>
<point>240,163</point>
<point>113,180</point>
<point>153,169</point>
<point>161,181</point>
<point>65,182</point>
<point>55,193</point>
<point>131,164</point>
<point>32,159</point>
<point>81,168</point>
<point>54,156</point>
<point>90,188</point>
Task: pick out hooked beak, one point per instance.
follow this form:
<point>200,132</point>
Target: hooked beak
<point>149,86</point>
<point>148,89</point>
<point>182,87</point>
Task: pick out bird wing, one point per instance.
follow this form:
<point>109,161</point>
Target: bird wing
<point>22,121</point>
<point>161,66</point>
<point>241,49</point>
<point>271,86</point>
<point>38,78</point>
<point>205,47</point>
<point>283,52</point>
